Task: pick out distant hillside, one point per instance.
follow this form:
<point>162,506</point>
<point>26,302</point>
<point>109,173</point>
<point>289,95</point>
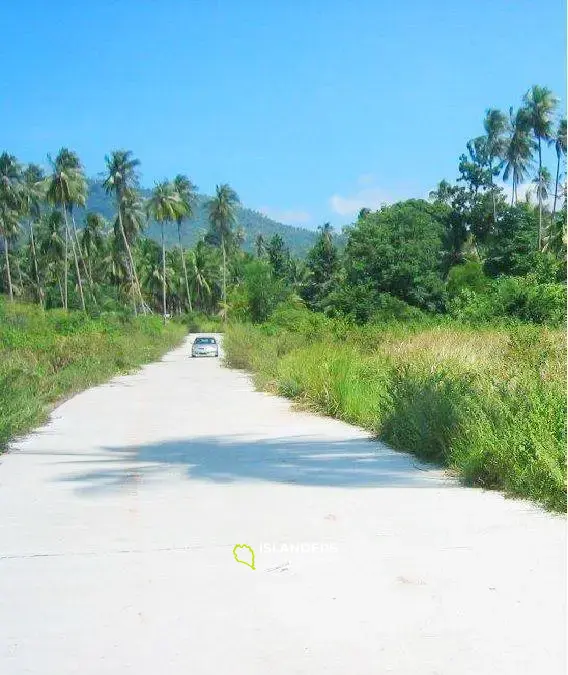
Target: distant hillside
<point>298,239</point>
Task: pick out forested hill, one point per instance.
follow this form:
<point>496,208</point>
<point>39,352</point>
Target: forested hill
<point>298,239</point>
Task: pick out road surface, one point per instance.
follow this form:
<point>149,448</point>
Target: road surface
<point>118,521</point>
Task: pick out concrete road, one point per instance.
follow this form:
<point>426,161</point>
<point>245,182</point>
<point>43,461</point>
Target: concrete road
<point>118,521</point>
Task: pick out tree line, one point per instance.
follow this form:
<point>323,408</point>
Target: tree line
<point>467,249</point>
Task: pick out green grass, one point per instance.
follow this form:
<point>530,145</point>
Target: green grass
<point>490,404</point>
<point>46,356</point>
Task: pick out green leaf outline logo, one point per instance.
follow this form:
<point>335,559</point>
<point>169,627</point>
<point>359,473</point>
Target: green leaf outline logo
<point>244,562</point>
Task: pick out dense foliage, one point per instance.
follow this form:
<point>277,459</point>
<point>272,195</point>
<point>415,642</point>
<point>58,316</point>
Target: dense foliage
<point>468,251</point>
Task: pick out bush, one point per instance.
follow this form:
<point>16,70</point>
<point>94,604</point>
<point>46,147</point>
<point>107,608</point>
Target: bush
<point>517,298</point>
<point>468,275</point>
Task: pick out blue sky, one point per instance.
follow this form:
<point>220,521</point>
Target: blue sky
<point>310,109</point>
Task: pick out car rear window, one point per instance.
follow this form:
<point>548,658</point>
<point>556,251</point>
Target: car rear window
<point>205,341</point>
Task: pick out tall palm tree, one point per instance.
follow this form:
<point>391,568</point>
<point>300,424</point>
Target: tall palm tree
<point>92,238</point>
<point>51,247</point>
<point>34,183</point>
<point>122,180</point>
<point>186,192</point>
<point>495,125</point>
<point>560,147</point>
<point>222,217</point>
<point>542,184</point>
<point>65,188</point>
<point>10,208</point>
<point>203,273</point>
<point>540,104</point>
<point>518,153</point>
<point>164,207</point>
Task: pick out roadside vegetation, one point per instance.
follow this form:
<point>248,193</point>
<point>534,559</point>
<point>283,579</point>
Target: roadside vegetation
<point>47,356</point>
<point>438,323</point>
<point>487,403</point>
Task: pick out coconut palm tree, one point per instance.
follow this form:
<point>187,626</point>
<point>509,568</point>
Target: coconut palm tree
<point>33,195</point>
<point>203,273</point>
<point>164,206</point>
<point>186,192</point>
<point>542,184</point>
<point>559,141</point>
<point>66,187</point>
<point>52,248</point>
<point>93,238</point>
<point>222,217</point>
<point>540,104</point>
<point>121,181</point>
<point>495,125</point>
<point>10,208</point>
<point>518,153</point>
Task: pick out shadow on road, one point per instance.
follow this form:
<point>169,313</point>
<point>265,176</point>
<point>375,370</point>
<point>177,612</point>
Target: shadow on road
<point>294,460</point>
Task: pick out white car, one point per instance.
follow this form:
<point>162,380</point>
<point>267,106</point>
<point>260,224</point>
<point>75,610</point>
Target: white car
<point>205,346</point>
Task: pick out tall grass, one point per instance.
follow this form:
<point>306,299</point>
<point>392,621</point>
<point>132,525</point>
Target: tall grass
<point>490,404</point>
<point>45,356</point>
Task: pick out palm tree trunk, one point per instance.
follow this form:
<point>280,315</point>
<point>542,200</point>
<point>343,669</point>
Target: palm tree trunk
<point>60,289</point>
<point>556,187</point>
<point>132,269</point>
<point>75,258</point>
<point>539,196</point>
<point>36,270</point>
<point>224,279</point>
<point>184,268</point>
<point>65,292</point>
<point>163,275</point>
<point>81,256</point>
<point>493,193</point>
<point>8,273</point>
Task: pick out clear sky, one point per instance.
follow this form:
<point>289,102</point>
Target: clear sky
<point>310,109</point>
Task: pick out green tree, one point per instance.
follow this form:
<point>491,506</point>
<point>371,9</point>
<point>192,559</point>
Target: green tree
<point>323,265</point>
<point>186,192</point>
<point>33,195</point>
<point>122,180</point>
<point>65,188</point>
<point>164,206</point>
<point>399,250</point>
<point>10,208</point>
<point>222,218</point>
<point>203,274</point>
<point>519,149</point>
<point>260,292</point>
<point>542,184</point>
<point>495,125</point>
<point>260,246</point>
<point>93,239</point>
<point>540,104</point>
<point>512,244</point>
<point>51,248</point>
<point>560,147</point>
<point>474,167</point>
<point>278,256</point>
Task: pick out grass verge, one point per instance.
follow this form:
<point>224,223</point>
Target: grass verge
<point>488,403</point>
<point>45,356</point>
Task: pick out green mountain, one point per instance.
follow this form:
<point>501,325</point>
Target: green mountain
<point>298,239</point>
